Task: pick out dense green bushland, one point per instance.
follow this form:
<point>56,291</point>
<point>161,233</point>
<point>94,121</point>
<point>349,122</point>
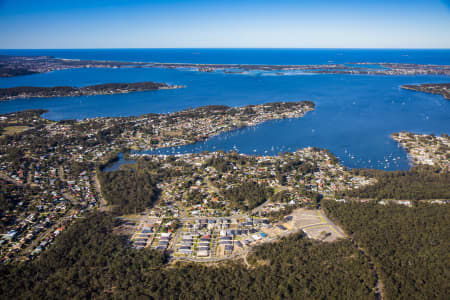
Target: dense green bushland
<point>88,261</point>
<point>409,246</point>
<point>130,190</point>
<point>419,183</point>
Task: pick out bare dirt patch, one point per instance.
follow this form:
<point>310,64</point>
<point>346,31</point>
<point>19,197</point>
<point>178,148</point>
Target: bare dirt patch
<point>312,222</point>
<point>324,233</point>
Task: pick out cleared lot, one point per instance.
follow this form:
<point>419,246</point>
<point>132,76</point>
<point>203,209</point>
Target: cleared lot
<point>312,222</point>
<point>325,233</point>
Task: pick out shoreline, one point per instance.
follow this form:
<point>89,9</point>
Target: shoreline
<point>442,89</point>
<point>424,149</point>
<point>29,92</point>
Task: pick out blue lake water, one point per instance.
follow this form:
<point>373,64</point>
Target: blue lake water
<point>354,116</point>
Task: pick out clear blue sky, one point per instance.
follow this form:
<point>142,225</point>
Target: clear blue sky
<point>227,24</point>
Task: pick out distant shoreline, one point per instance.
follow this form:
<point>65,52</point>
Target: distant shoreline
<point>11,66</point>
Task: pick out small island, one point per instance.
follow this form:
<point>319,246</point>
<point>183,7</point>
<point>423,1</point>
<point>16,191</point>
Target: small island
<point>433,88</point>
<point>11,66</point>
<point>23,92</point>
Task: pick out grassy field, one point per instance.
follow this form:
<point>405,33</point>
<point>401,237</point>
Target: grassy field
<point>10,130</point>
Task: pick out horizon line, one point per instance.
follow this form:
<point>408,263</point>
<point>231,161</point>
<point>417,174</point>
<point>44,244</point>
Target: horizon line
<point>233,48</point>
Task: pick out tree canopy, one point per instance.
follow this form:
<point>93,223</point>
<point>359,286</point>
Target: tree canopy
<point>409,246</point>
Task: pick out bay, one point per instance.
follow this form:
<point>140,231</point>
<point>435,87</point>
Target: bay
<point>354,115</point>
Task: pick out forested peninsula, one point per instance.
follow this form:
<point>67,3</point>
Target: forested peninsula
<point>433,88</point>
<point>22,92</point>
